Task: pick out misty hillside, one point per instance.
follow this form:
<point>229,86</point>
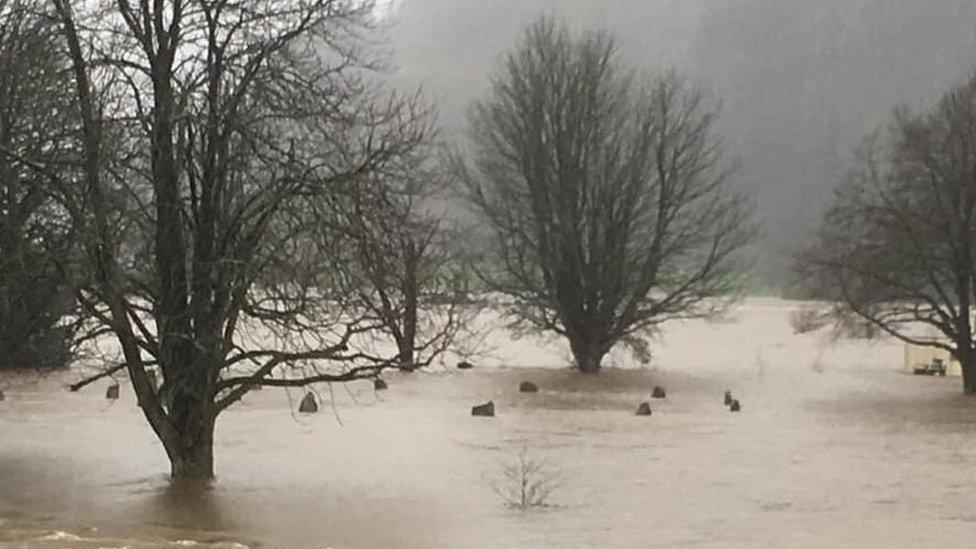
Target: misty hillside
<point>801,81</point>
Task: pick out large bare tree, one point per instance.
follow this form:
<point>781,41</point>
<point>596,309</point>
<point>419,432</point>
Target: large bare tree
<point>898,246</point>
<point>609,201</point>
<point>214,131</point>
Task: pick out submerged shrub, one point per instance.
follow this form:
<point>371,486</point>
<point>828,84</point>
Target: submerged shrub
<point>526,482</point>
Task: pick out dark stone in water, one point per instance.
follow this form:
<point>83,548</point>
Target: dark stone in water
<point>644,409</point>
<point>484,410</point>
<point>735,406</point>
<point>728,398</point>
<point>112,393</point>
<point>308,405</point>
<point>659,392</point>
<point>464,366</point>
<point>379,385</point>
<point>528,387</point>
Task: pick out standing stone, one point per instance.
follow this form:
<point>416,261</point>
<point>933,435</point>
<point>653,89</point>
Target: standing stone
<point>528,387</point>
<point>308,405</point>
<point>728,398</point>
<point>112,393</point>
<point>644,409</point>
<point>484,410</point>
<point>659,392</point>
<point>379,385</point>
<point>464,366</point>
<point>735,406</point>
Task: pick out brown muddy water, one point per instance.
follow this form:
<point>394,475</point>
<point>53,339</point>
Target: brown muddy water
<point>833,448</point>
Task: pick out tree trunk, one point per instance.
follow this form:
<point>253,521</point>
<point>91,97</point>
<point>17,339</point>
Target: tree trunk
<point>968,363</point>
<point>969,379</point>
<point>588,355</point>
<point>405,358</point>
<point>190,447</point>
<point>409,329</point>
<point>191,454</point>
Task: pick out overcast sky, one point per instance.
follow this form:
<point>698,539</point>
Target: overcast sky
<point>802,81</point>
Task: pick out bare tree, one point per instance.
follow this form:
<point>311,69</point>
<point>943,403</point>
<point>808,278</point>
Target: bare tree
<point>527,482</point>
<point>213,131</point>
<point>397,261</point>
<point>609,202</point>
<point>898,246</point>
<point>36,274</point>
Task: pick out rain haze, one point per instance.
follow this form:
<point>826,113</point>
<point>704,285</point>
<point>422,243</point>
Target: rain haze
<point>487,273</point>
<point>801,82</point>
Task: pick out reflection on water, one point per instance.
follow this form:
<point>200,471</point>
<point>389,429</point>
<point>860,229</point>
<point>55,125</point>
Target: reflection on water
<point>190,505</point>
<point>39,500</point>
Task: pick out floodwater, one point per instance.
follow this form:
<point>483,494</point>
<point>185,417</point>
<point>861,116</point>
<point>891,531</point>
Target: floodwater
<point>834,447</point>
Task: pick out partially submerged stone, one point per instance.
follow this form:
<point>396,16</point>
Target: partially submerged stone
<point>464,366</point>
<point>308,405</point>
<point>528,387</point>
<point>484,410</point>
<point>644,409</point>
<point>379,385</point>
<point>728,398</point>
<point>735,406</point>
<point>659,392</point>
<point>112,393</point>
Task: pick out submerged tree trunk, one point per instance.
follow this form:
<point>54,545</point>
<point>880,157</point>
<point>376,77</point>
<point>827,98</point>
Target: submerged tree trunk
<point>193,461</point>
<point>587,354</point>
<point>408,340</point>
<point>191,452</point>
<point>967,360</point>
<point>969,379</point>
<point>405,357</point>
<point>193,418</point>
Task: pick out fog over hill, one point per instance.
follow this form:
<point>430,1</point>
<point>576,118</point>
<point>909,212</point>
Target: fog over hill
<point>801,81</point>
